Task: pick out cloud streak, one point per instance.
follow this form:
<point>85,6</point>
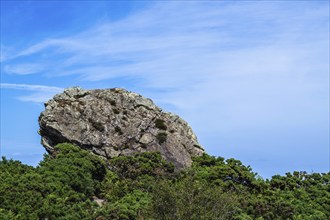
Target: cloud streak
<point>220,53</point>
<point>39,88</point>
<point>197,40</point>
<point>23,69</point>
<point>235,67</point>
<point>40,93</point>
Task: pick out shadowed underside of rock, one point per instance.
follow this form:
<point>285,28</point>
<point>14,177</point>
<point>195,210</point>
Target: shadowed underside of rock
<point>113,122</point>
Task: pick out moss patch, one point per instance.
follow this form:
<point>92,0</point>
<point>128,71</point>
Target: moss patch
<point>161,137</point>
<point>160,124</point>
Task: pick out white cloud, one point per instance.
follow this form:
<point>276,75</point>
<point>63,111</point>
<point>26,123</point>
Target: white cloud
<point>40,93</point>
<point>249,64</point>
<point>38,97</point>
<point>23,69</point>
<point>40,88</point>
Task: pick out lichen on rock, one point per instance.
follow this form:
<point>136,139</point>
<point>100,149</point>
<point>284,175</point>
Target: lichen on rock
<point>104,120</point>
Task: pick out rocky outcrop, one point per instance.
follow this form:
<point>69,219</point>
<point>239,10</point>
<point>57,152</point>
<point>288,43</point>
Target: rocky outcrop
<point>112,122</point>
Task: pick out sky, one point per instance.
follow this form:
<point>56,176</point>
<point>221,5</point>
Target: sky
<point>250,77</point>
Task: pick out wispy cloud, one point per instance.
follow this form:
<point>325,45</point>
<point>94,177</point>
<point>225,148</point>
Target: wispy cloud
<point>29,87</point>
<point>253,62</point>
<point>40,93</point>
<point>251,77</point>
<point>23,69</point>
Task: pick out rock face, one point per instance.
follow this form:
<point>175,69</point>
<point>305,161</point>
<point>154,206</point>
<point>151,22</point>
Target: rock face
<point>113,122</point>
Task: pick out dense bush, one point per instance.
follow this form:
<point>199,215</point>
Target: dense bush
<point>144,186</point>
<point>59,188</point>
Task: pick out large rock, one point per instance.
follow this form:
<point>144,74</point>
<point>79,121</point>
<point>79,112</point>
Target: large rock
<point>112,122</point>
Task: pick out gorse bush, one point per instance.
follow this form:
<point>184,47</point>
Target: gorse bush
<point>144,186</point>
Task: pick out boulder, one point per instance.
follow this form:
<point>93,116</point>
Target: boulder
<point>113,122</point>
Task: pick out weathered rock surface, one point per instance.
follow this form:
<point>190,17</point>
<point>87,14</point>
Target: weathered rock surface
<point>112,122</point>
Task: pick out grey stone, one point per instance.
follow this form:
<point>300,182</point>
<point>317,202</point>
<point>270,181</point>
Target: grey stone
<point>146,138</point>
<point>113,122</point>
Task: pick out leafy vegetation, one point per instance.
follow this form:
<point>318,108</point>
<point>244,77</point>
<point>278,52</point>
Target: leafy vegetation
<point>161,137</point>
<point>67,184</point>
<point>160,123</point>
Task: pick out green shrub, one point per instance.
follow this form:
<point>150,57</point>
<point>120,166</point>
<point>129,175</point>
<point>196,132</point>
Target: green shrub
<point>161,137</point>
<point>133,205</point>
<point>160,124</point>
<point>144,186</point>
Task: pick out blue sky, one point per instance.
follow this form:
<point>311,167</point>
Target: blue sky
<point>251,77</point>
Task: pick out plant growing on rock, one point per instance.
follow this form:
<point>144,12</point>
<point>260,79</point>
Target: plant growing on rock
<point>161,137</point>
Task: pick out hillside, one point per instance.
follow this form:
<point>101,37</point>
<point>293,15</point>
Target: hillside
<point>75,184</point>
<point>113,154</point>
